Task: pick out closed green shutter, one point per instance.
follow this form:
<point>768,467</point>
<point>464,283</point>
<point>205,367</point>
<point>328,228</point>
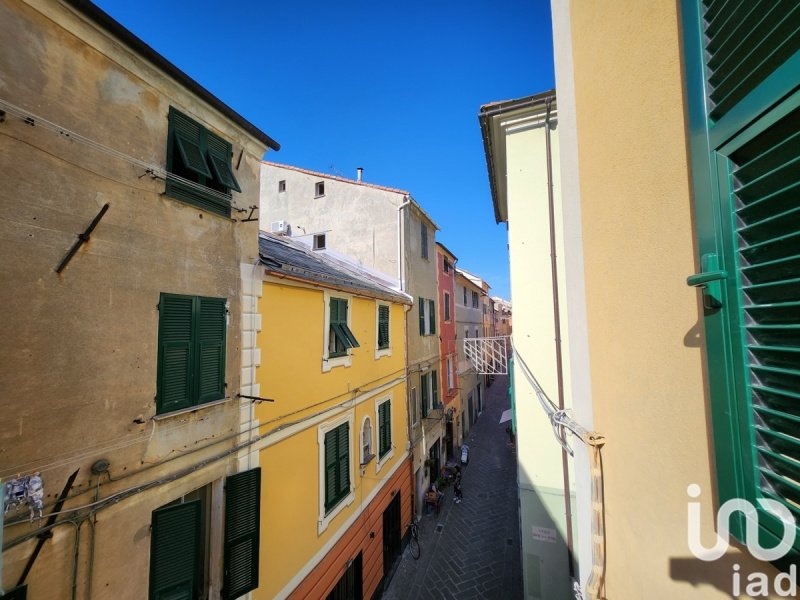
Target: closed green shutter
<point>242,529</point>
<point>175,353</point>
<point>435,386</point>
<point>421,305</point>
<point>423,384</point>
<point>432,305</point>
<point>446,306</point>
<point>383,326</point>
<point>211,349</point>
<point>385,428</point>
<point>743,83</point>
<point>175,552</point>
<point>337,465</point>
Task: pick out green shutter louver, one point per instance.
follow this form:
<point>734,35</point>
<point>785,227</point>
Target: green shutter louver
<point>745,43</point>
<point>242,532</point>
<point>337,465</point>
<point>765,182</point>
<point>175,552</point>
<point>341,337</point>
<point>211,349</point>
<point>432,307</point>
<point>383,326</point>
<point>384,428</point>
<point>435,387</point>
<point>175,364</point>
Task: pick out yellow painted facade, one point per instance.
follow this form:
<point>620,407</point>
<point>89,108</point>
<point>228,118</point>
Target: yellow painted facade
<point>296,531</point>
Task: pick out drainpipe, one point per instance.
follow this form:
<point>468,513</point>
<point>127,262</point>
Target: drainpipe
<point>2,512</point>
<point>557,326</point>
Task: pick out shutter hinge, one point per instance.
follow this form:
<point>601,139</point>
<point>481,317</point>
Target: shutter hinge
<point>710,279</point>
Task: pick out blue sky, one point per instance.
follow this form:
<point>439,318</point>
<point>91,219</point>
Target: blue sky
<point>391,87</point>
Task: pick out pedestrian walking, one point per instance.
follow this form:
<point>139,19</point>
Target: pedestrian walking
<point>457,494</point>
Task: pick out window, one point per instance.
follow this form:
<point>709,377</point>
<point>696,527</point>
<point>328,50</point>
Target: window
<point>383,327</point>
<point>423,233</point>
<point>429,382</point>
<point>446,264</point>
<point>450,383</point>
<point>475,301</point>
<point>199,165</point>
<point>425,395</point>
<point>282,186</point>
<point>384,428</point>
<point>446,306</point>
<point>427,316</point>
<point>465,295</point>
<point>366,441</point>
<point>337,465</point>
<point>191,351</point>
<point>744,151</point>
<point>477,333</point>
<point>319,241</point>
<point>434,379</point>
<point>340,339</point>
<point>181,547</point>
<point>319,189</point>
<point>432,317</point>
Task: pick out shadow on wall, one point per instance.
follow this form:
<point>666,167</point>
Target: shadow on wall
<point>736,574</point>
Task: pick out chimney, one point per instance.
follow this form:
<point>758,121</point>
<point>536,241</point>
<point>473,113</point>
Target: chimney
<point>359,173</point>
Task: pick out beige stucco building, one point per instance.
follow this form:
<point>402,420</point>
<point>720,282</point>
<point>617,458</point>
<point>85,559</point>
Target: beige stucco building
<point>683,183</point>
<point>469,324</point>
<point>127,328</point>
<point>385,230</point>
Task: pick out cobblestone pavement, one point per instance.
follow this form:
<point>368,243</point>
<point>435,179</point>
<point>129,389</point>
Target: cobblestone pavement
<point>471,550</point>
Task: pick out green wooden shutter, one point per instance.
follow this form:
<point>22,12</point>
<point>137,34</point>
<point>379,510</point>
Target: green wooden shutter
<point>421,304</point>
<point>343,477</point>
<point>242,529</point>
<point>383,326</point>
<point>385,428</point>
<point>423,384</point>
<point>331,470</point>
<point>211,325</point>
<point>432,304</point>
<point>446,306</point>
<point>435,386</point>
<point>175,552</point>
<point>175,353</point>
<point>187,134</point>
<point>219,155</point>
<point>743,71</point>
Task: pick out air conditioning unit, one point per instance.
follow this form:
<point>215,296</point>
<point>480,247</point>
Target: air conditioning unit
<point>280,227</point>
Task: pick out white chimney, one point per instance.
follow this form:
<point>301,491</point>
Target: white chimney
<point>360,173</point>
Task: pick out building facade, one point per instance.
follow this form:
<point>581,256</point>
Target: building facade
<point>688,388</point>
<point>126,322</point>
<point>387,231</point>
<point>334,434</point>
<point>469,324</point>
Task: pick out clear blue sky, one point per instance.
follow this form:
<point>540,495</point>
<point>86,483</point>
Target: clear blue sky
<point>393,87</point>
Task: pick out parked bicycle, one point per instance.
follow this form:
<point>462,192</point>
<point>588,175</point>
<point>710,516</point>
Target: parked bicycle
<point>413,542</point>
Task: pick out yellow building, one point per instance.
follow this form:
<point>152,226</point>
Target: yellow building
<point>676,150</point>
<point>336,486</point>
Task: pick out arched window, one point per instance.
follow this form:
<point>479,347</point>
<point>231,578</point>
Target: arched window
<point>366,441</point>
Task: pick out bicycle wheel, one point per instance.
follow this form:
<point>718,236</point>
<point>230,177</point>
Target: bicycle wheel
<point>413,545</point>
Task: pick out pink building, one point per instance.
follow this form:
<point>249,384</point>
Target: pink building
<point>445,273</point>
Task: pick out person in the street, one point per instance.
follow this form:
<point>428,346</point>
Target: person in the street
<point>457,494</point>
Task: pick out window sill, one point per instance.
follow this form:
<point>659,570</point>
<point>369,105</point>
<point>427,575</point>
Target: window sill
<point>380,352</point>
<point>384,459</point>
<point>336,361</point>
<point>190,409</point>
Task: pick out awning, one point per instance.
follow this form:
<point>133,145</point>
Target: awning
<point>506,416</point>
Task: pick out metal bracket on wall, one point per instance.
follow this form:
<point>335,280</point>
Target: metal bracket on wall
<point>82,238</point>
<point>249,218</point>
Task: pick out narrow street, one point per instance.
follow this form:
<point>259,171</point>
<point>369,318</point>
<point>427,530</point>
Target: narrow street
<point>471,550</point>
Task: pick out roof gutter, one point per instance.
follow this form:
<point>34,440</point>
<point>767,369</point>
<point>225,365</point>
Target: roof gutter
<point>105,21</point>
<point>340,288</point>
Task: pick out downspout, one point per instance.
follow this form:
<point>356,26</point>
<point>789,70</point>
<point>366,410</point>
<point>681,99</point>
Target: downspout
<point>557,326</point>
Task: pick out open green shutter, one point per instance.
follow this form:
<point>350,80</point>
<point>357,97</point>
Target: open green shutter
<point>421,305</point>
<point>219,154</point>
<point>432,304</point>
<point>242,529</point>
<point>435,386</point>
<point>743,76</point>
<point>175,353</point>
<point>175,552</point>
<point>211,320</point>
